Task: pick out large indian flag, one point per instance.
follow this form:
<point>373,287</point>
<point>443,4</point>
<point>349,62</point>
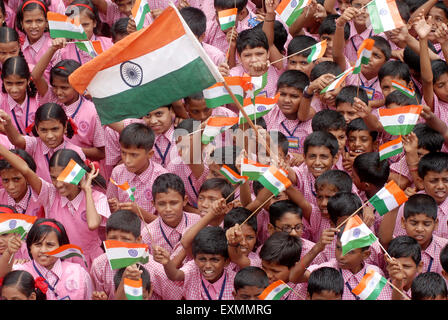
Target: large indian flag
<point>370,286</point>
<point>401,120</point>
<point>356,235</point>
<point>150,68</point>
<point>62,26</point>
<point>388,198</point>
<point>16,223</point>
<point>384,15</point>
<point>122,254</point>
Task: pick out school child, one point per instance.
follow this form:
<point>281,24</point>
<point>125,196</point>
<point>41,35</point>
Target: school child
<point>169,200</point>
<point>119,29</point>
<point>211,190</point>
<point>65,280</point>
<point>398,71</point>
<point>249,283</point>
<point>138,170</point>
<point>325,284</point>
<point>52,130</point>
<point>133,272</point>
<point>327,30</point>
<point>299,61</point>
<point>197,109</point>
<point>9,44</point>
<point>20,285</point>
<point>21,256</point>
<point>444,261</point>
<point>429,286</point>
<point>206,277</point>
<point>346,98</point>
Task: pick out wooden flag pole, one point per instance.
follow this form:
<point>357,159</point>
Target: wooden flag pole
<point>255,211</point>
<point>341,224</point>
<point>233,192</point>
<point>293,54</point>
<point>401,292</point>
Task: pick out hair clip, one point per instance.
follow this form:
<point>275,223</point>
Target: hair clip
<point>29,129</point>
<point>41,284</point>
<point>73,124</point>
<point>95,164</point>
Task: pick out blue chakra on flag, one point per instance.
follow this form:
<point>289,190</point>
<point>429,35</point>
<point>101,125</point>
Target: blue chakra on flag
<point>12,224</point>
<point>131,73</point>
<point>401,118</point>
<point>261,108</point>
<point>132,252</point>
<point>135,292</point>
<point>382,12</point>
<point>356,233</point>
<point>293,3</point>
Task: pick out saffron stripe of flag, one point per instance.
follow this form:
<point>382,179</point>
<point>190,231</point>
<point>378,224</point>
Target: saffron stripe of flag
<point>67,251</point>
<point>139,11</point>
<point>317,51</point>
<point>133,289</point>
<point>401,120</point>
<point>405,90</point>
<point>391,148</point>
<point>125,187</point>
<point>122,254</point>
<point>93,48</point>
<point>252,169</point>
<point>290,10</point>
<point>145,70</point>
<point>338,80</point>
<point>275,291</point>
<point>388,198</point>
<point>72,173</point>
<point>275,180</point>
<point>62,26</point>
<point>227,18</point>
<point>364,54</point>
<point>370,286</point>
<point>356,235</point>
<point>217,95</point>
<point>215,126</point>
<point>384,15</point>
<point>16,223</point>
<point>259,108</point>
<point>232,176</point>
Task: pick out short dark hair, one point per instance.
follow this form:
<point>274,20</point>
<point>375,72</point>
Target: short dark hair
<point>359,124</point>
<point>137,135</point>
<point>167,181</point>
<point>433,161</point>
<point>119,27</point>
<point>370,169</point>
<point>439,67</point>
<point>405,247</point>
<point>195,19</point>
<point>327,119</point>
<point>124,220</point>
<point>251,38</point>
<point>24,282</point>
<point>420,204</point>
<point>210,240</point>
<point>348,94</point>
<point>396,69</point>
<point>338,178</point>
<point>383,45</point>
<point>220,184</point>
<point>299,43</point>
<point>229,4</point>
<point>323,68</point>
<point>325,279</point>
<point>428,138</point>
<point>328,26</point>
<point>293,78</point>
<point>319,139</point>
<point>279,208</point>
<point>342,204</point>
<point>226,155</point>
<point>280,35</point>
<point>239,215</point>
<point>22,154</point>
<point>399,98</point>
<point>428,285</point>
<point>444,258</point>
<point>250,277</point>
<point>282,248</point>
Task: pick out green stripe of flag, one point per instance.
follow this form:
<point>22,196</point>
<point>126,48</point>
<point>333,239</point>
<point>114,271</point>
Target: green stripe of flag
<point>391,154</point>
<point>54,33</point>
<point>379,205</point>
<point>379,287</point>
<point>398,130</point>
<point>359,243</point>
<point>222,100</point>
<point>124,262</point>
<point>281,293</point>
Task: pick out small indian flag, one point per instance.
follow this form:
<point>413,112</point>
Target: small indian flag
<point>133,289</point>
<point>93,48</point>
<point>215,126</point>
<point>67,251</point>
<point>122,254</point>
<point>16,223</point>
<point>405,90</point>
<point>290,10</point>
<point>275,291</point>
<point>232,176</point>
<point>72,173</point>
<point>139,11</point>
<point>252,169</point>
<point>338,80</point>
<point>258,84</point>
<point>227,18</point>
<point>275,180</point>
<point>370,286</point>
<point>384,15</point>
<point>391,148</point>
<point>217,95</point>
<point>125,187</point>
<point>317,51</point>
<point>62,26</point>
<point>261,107</point>
<point>388,198</point>
<point>401,120</point>
<point>356,235</point>
<point>364,54</point>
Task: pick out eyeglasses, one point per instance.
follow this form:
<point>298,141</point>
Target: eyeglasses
<point>288,229</point>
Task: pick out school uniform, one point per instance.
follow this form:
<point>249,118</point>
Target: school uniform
<point>22,115</point>
<point>371,86</point>
<point>271,87</point>
<point>113,14</point>
<point>254,258</point>
<point>165,147</point>
<point>355,40</point>
<point>71,51</point>
<point>431,255</point>
<point>27,205</point>
<point>215,54</point>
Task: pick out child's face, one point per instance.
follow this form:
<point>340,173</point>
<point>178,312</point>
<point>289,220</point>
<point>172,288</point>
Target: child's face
<point>360,141</point>
<point>211,266</point>
<point>249,240</point>
<point>122,236</point>
<point>125,6</point>
<point>300,63</point>
<point>169,205</point>
<point>206,199</point>
<point>352,260</point>
<point>441,87</point>
<point>16,87</point>
<point>343,4</point>
<point>51,132</point>
<point>34,24</point>
<point>329,37</point>
<point>13,293</point>
<point>341,136</point>
<point>68,190</point>
<point>436,16</point>
<point>48,243</point>
<point>87,23</point>
<point>275,271</point>
<point>436,185</point>
<point>420,227</point>
<point>326,295</point>
<point>325,192</point>
<point>288,101</point>
<point>135,159</point>
<point>377,60</point>
<point>8,50</point>
<point>318,159</point>
<point>14,183</point>
<point>360,19</point>
<point>386,84</point>
<point>197,110</point>
<point>248,293</point>
<point>290,223</point>
<point>63,91</point>
<point>347,110</point>
<point>410,270</point>
<point>159,120</point>
<point>249,57</point>
<point>329,98</point>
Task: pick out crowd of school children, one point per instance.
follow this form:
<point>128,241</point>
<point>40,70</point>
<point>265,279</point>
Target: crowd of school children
<point>205,243</point>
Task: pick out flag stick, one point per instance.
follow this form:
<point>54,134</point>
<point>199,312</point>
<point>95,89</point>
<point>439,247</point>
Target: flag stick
<point>255,211</point>
<point>381,246</point>
<point>293,54</point>
<point>233,192</point>
<point>401,292</point>
<point>228,50</point>
<point>146,225</point>
<point>357,88</point>
<point>341,224</point>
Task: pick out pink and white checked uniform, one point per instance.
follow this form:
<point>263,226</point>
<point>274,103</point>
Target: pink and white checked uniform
<point>165,148</point>
<point>22,115</point>
<point>113,14</point>
<point>271,87</point>
<point>254,258</point>
<point>374,83</point>
<point>27,205</point>
<point>214,53</point>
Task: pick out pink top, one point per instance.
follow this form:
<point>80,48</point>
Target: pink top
<point>271,87</point>
<point>355,40</point>
<point>431,255</point>
<point>28,204</point>
<point>72,215</point>
<point>69,280</point>
<point>401,167</point>
<point>254,258</point>
<point>71,51</point>
<point>214,53</point>
<point>165,148</point>
<point>21,115</point>
<point>374,83</point>
<point>113,14</point>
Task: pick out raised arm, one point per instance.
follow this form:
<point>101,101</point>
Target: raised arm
<point>423,29</point>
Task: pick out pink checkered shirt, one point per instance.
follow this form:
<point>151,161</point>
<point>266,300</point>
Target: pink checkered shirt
<point>165,147</point>
<point>27,205</point>
<point>214,53</point>
<point>142,184</point>
<point>440,109</point>
<point>254,258</point>
<point>271,87</point>
<point>113,13</point>
<point>401,167</point>
<point>374,83</point>
<point>317,224</point>
<point>305,183</point>
<point>431,255</point>
<point>439,51</point>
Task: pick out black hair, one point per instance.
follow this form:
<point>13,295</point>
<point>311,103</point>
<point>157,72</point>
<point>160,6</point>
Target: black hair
<point>420,204</point>
<point>137,135</point>
<point>405,247</point>
<point>195,19</point>
<point>77,6</point>
<point>327,119</point>
<point>359,124</point>
<point>370,169</point>
<point>433,161</point>
<point>328,26</point>
<point>428,138</point>
<point>4,165</point>
<point>280,35</point>
<point>338,178</point>
<point>119,28</point>
<point>185,127</point>
<point>226,155</point>
<point>293,78</point>
<point>342,204</point>
<point>229,4</point>
<point>126,221</point>
<point>348,94</point>
<point>210,240</point>
<point>52,111</point>
<point>18,66</point>
<point>220,184</point>
<point>442,6</point>
<point>395,69</point>
<point>399,98</point>
<point>10,35</point>
<point>63,69</point>
<point>383,45</point>
<point>323,68</point>
<point>325,279</point>
<point>251,38</point>
<point>428,285</point>
<point>414,4</point>
<point>24,282</point>
<point>444,258</point>
<point>40,229</point>
<point>3,10</point>
<point>281,139</point>
<point>299,43</point>
<point>146,277</point>
<point>29,6</point>
<point>256,187</point>
<point>239,215</point>
<point>250,277</point>
<point>412,58</point>
<point>167,181</point>
<point>279,208</point>
<point>439,67</point>
<point>321,139</point>
<point>282,248</point>
<point>404,10</point>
